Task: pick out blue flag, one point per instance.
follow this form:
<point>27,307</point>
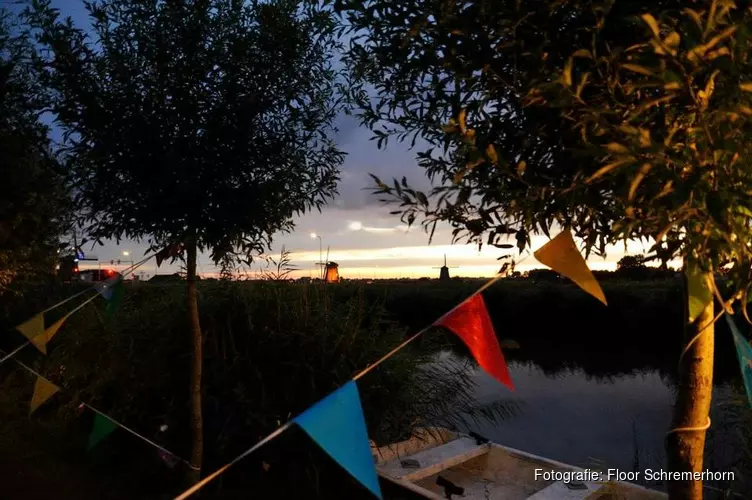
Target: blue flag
<point>744,352</point>
<point>105,287</point>
<point>337,424</point>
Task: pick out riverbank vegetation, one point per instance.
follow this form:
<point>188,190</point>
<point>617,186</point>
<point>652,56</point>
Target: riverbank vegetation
<point>272,349</point>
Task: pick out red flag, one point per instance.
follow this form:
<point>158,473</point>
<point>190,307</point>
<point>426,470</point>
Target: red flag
<point>470,321</point>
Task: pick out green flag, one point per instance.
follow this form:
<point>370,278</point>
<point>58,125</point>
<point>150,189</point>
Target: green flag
<point>699,292</point>
<point>116,297</point>
<point>103,427</point>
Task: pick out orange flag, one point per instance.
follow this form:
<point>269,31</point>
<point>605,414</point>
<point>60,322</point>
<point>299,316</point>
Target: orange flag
<point>471,323</point>
<point>561,255</point>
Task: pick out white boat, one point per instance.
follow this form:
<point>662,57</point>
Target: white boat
<point>438,464</point>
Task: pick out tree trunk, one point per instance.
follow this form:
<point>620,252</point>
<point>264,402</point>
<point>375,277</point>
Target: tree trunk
<point>685,448</point>
<point>197,421</point>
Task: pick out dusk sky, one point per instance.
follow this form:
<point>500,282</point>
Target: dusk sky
<point>364,239</point>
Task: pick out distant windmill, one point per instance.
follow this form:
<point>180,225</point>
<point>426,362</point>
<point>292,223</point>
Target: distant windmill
<point>329,270</point>
<point>444,273</point>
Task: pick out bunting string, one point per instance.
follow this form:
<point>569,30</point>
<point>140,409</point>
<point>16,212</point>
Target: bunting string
<point>14,352</point>
<point>425,329</point>
<point>193,489</point>
<point>101,413</point>
<point>126,271</point>
<point>96,288</point>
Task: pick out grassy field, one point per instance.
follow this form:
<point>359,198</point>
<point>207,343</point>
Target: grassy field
<point>273,349</point>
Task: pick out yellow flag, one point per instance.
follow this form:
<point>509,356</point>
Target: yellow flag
<point>52,330</point>
<point>33,327</point>
<point>561,255</point>
<point>699,292</point>
<point>43,390</point>
<point>40,341</point>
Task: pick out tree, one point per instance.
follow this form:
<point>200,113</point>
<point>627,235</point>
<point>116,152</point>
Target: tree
<point>630,262</point>
<point>619,120</point>
<point>203,122</point>
<point>33,206</point>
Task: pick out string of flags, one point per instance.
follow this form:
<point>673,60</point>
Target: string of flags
<point>103,425</point>
<point>336,423</point>
<point>699,295</point>
<point>39,335</point>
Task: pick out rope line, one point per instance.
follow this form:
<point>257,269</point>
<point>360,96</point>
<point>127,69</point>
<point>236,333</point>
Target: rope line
<point>193,489</point>
<point>77,308</point>
<point>119,424</point>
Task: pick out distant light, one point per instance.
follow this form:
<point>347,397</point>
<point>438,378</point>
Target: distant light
<point>355,226</point>
<point>314,235</point>
<point>126,253</point>
<point>75,260</point>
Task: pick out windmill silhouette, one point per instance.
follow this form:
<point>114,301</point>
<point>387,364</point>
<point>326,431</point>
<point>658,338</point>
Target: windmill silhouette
<point>444,273</point>
<point>329,269</point>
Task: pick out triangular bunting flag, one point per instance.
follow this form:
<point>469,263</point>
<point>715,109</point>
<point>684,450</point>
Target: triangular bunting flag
<point>103,427</point>
<point>40,341</point>
<point>116,297</point>
<point>337,424</point>
<point>471,323</point>
<point>562,256</point>
<point>33,327</point>
<point>699,293</point>
<point>744,353</point>
<point>105,288</point>
<point>43,390</point>
<point>52,330</point>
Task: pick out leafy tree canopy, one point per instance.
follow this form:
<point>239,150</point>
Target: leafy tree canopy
<point>201,116</point>
<point>588,113</point>
<point>33,201</point>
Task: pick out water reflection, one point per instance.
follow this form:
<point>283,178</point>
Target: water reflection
<point>618,421</point>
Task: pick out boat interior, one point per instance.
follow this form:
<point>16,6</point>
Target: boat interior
<point>438,464</point>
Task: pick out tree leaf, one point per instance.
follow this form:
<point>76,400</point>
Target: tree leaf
<point>637,180</point>
<point>672,40</point>
<point>521,166</point>
<point>491,153</point>
<point>608,168</point>
<point>585,53</point>
<point>652,24</point>
<point>566,76</point>
<point>615,147</point>
<point>637,69</point>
